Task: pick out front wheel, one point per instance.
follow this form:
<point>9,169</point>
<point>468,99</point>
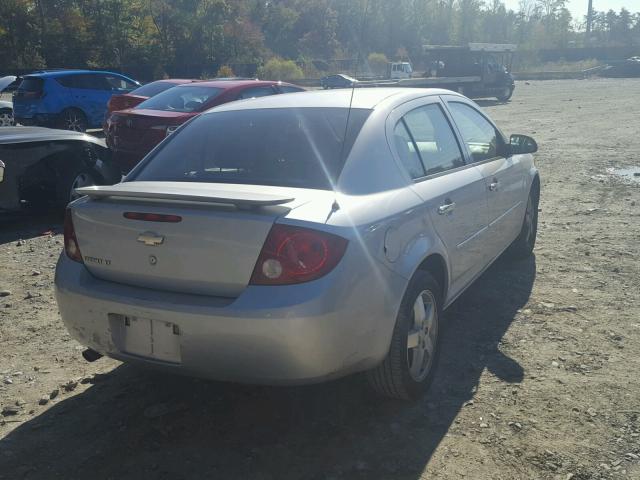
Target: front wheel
<point>522,246</point>
<point>408,369</point>
<point>6,118</point>
<point>67,184</point>
<point>506,94</point>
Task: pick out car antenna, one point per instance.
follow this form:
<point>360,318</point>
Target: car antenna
<point>335,206</point>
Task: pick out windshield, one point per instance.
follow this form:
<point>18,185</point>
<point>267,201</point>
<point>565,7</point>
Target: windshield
<point>294,147</point>
<point>181,99</point>
<point>153,88</point>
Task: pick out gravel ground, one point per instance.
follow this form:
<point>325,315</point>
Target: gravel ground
<point>538,379</point>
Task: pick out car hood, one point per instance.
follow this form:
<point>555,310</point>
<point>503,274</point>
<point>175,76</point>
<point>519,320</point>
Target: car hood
<point>10,135</point>
<point>6,81</point>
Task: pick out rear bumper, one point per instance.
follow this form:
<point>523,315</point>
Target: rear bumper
<point>268,335</point>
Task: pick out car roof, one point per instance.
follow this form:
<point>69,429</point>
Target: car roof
<point>366,98</point>
<point>64,73</point>
<point>228,84</point>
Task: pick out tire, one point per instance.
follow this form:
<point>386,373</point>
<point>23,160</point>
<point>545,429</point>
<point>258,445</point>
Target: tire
<point>399,376</point>
<point>522,246</point>
<point>68,182</point>
<point>6,117</point>
<point>73,119</point>
<point>506,95</point>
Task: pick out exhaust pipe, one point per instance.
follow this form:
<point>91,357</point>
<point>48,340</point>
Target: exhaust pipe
<point>91,355</point>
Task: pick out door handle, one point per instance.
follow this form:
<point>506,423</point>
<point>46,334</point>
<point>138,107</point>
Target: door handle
<point>493,186</point>
<point>446,207</point>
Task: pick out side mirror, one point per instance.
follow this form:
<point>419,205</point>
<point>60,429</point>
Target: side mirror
<point>521,144</point>
<point>1,171</point>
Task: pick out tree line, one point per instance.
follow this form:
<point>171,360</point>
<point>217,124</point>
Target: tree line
<point>170,37</point>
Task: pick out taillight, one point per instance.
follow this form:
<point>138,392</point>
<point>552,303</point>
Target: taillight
<point>296,255</point>
<point>71,247</point>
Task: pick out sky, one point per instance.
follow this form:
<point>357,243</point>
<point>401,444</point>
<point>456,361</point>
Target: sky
<point>578,8</point>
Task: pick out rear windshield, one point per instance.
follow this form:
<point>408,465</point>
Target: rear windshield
<point>31,84</point>
<point>153,88</point>
<point>293,147</point>
<point>181,99</point>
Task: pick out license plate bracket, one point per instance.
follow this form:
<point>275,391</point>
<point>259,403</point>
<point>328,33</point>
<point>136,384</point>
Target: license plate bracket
<point>145,337</point>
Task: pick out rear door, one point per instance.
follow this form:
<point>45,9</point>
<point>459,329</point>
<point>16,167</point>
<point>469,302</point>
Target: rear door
<point>454,193</point>
<point>504,179</point>
<point>90,92</point>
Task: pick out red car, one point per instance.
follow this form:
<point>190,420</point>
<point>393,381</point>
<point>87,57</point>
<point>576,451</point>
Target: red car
<point>139,95</point>
<point>132,133</point>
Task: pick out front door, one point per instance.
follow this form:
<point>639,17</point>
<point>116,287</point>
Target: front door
<point>504,179</point>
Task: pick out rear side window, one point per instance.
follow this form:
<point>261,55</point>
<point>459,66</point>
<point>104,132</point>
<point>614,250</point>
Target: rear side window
<point>407,151</point>
<point>434,139</point>
<point>84,81</point>
<point>153,88</point>
<point>300,147</point>
<point>425,142</point>
<point>31,84</point>
<point>477,132</point>
<point>181,99</point>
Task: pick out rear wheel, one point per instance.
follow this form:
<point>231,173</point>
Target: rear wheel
<point>73,119</point>
<point>408,369</point>
<point>6,117</point>
<point>522,246</point>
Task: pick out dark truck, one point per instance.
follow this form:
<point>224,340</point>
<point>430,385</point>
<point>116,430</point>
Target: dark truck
<point>477,70</point>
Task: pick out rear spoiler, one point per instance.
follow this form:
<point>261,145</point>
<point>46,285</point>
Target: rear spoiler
<point>149,191</point>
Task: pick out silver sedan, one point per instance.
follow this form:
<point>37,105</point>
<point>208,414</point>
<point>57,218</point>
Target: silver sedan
<point>299,238</point>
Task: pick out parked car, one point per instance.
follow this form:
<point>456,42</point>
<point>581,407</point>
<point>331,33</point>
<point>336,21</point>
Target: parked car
<point>132,133</point>
<point>140,94</point>
<point>6,108</point>
<point>339,80</point>
<point>67,99</point>
<point>44,166</point>
<point>268,241</point>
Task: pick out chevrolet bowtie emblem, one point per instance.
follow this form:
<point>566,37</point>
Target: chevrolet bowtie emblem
<point>151,239</point>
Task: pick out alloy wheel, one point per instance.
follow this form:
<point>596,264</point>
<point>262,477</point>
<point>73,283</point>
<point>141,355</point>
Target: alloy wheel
<point>83,179</point>
<point>6,119</point>
<point>423,336</point>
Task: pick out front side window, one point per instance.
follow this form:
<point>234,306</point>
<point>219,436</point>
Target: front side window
<point>290,89</point>
<point>119,83</point>
<point>477,132</point>
<point>181,99</point>
<point>433,139</point>
<point>91,82</point>
<point>153,88</point>
<point>293,147</point>
<point>256,92</point>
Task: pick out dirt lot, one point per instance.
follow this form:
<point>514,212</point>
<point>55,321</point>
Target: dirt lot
<point>539,377</point>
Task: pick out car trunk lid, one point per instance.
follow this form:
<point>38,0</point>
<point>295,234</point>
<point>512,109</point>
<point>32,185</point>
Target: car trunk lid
<point>140,130</point>
<point>211,250</point>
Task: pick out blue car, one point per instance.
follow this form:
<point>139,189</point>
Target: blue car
<point>67,99</point>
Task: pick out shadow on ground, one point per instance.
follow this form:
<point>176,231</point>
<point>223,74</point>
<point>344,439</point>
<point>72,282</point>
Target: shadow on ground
<point>29,225</point>
<point>131,424</point>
